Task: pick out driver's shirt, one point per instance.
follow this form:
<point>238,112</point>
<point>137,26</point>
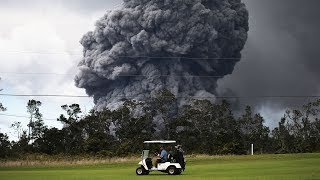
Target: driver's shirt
<point>164,155</point>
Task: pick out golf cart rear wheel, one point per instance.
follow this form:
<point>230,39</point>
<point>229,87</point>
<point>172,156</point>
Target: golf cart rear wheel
<point>139,171</point>
<point>171,170</point>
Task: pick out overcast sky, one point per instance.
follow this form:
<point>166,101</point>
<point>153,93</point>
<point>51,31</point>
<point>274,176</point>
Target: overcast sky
<point>280,58</point>
<point>43,37</point>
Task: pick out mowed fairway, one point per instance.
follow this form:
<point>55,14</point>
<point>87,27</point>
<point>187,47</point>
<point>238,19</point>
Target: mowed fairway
<point>292,166</point>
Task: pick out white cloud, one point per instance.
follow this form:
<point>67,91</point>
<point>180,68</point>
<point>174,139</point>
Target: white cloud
<point>52,33</point>
<point>39,37</point>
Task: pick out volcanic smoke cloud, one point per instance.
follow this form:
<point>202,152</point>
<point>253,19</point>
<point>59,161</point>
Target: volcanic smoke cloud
<point>149,45</point>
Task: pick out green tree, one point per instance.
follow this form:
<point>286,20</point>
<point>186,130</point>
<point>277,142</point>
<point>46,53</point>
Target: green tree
<point>22,146</point>
<point>311,126</point>
<point>5,146</point>
<point>52,142</point>
<point>164,107</point>
<point>315,135</point>
<point>36,123</point>
<point>132,125</point>
<point>253,131</point>
<point>282,137</point>
<point>301,126</point>
<point>208,128</point>
<point>201,120</point>
<point>98,136</point>
<point>73,129</point>
<point>17,127</point>
<point>228,130</point>
<point>73,112</point>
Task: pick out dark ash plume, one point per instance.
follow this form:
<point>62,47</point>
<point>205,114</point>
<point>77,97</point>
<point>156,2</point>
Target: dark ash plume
<point>135,39</point>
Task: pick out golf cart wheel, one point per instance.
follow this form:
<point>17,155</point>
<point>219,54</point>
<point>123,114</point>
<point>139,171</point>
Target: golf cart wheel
<point>171,170</point>
<point>140,171</point>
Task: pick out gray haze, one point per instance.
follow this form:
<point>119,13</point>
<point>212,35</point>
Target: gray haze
<point>124,39</point>
<point>281,56</point>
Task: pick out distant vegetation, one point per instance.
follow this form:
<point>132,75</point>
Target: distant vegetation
<point>201,127</point>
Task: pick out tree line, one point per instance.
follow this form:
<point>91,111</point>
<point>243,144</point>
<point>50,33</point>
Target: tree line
<point>200,126</point>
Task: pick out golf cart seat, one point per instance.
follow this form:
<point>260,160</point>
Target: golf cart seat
<point>170,158</point>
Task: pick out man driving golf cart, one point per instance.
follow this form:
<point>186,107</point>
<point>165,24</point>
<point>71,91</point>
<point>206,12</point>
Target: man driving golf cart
<point>163,154</point>
<point>159,158</point>
<point>168,165</point>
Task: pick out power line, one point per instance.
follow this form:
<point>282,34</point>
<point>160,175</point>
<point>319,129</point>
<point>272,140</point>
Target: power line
<point>132,75</point>
<point>20,116</point>
<point>180,57</point>
<point>187,76</point>
<point>42,52</point>
<point>191,97</point>
<point>36,73</point>
<point>133,57</point>
<point>44,95</point>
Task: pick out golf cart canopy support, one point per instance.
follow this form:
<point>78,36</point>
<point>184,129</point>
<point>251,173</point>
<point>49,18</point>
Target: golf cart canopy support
<point>159,142</point>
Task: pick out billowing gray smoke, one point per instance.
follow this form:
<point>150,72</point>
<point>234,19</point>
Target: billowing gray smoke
<point>149,45</point>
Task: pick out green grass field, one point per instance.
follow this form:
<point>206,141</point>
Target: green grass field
<point>293,166</point>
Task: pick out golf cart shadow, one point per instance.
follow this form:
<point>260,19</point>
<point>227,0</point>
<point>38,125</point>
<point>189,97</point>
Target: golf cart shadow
<point>171,162</point>
<point>158,174</point>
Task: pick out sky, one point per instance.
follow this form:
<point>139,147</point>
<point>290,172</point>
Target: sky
<point>42,36</point>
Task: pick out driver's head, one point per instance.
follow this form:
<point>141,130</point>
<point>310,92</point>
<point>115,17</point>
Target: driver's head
<point>161,148</point>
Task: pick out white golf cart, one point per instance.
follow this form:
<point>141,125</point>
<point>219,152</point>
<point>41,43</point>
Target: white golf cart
<point>172,166</point>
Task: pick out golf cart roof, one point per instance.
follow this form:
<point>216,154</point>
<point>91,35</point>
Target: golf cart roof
<point>159,142</point>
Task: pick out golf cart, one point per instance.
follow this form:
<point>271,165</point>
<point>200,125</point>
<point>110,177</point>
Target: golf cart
<point>173,166</point>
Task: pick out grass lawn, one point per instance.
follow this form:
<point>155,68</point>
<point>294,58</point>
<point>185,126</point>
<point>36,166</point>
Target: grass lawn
<point>292,166</point>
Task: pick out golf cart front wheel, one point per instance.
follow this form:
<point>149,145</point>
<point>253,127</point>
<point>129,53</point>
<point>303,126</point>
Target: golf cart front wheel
<point>139,171</point>
<point>172,170</point>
